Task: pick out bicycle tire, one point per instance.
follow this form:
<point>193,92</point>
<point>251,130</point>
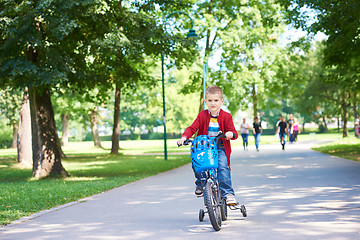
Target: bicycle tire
<point>213,204</point>
<point>243,210</point>
<point>201,215</point>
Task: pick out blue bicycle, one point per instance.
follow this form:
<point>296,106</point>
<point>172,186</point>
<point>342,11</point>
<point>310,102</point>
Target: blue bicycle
<point>204,156</point>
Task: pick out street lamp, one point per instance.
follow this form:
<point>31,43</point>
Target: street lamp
<point>205,73</point>
<point>191,34</point>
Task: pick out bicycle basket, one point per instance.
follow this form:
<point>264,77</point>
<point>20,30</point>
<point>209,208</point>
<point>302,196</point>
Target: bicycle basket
<point>204,154</point>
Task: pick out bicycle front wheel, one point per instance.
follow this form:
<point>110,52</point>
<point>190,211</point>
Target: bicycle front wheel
<point>212,203</point>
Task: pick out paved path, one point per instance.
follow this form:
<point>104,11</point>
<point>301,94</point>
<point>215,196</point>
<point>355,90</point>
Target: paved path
<point>291,194</point>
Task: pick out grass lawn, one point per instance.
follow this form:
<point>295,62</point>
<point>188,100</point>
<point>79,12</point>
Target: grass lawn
<point>92,171</point>
<point>348,148</point>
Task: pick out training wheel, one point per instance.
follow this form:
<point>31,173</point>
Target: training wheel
<point>243,210</point>
<point>201,215</point>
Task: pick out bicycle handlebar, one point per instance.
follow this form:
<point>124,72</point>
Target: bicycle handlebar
<point>219,136</point>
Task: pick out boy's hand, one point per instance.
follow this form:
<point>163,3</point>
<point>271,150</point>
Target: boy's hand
<point>229,135</point>
<point>181,141</point>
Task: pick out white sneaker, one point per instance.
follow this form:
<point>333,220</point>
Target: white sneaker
<point>230,199</point>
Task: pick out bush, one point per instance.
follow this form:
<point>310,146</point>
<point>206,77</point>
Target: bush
<point>5,136</point>
<point>136,136</point>
<point>154,136</point>
<point>266,131</point>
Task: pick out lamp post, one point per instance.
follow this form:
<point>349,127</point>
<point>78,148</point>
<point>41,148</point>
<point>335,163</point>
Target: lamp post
<point>191,34</point>
<point>205,73</point>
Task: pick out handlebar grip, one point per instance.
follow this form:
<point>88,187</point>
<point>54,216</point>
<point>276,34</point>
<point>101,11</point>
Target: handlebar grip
<point>187,142</point>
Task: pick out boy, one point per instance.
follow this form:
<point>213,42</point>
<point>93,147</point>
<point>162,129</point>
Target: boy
<point>210,122</point>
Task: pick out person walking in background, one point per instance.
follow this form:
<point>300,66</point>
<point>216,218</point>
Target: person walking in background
<point>290,132</point>
<point>257,130</point>
<point>244,130</point>
<point>282,129</point>
<point>357,129</point>
<point>296,129</point>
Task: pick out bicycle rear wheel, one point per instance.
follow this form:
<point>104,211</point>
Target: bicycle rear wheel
<point>212,203</point>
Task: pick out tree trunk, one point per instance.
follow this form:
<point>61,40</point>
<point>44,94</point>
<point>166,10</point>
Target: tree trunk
<point>94,128</point>
<point>345,113</point>
<point>24,133</point>
<point>355,106</point>
<point>45,141</point>
<point>15,133</point>
<point>303,130</point>
<point>254,100</point>
<point>325,125</point>
<point>116,129</point>
<point>65,129</point>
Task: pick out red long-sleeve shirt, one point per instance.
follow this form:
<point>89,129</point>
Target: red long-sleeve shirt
<point>201,125</point>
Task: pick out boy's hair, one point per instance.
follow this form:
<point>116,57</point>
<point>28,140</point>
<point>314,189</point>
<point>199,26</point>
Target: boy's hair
<point>213,90</point>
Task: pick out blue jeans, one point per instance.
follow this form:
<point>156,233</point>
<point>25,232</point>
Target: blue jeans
<point>282,138</point>
<point>245,139</point>
<point>257,140</point>
<point>290,136</point>
<point>223,175</point>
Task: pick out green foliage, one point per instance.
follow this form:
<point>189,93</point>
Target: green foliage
<point>5,134</point>
<point>338,20</point>
<point>246,33</point>
<point>10,104</point>
<point>45,42</point>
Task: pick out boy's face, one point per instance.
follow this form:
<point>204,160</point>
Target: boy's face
<point>214,102</point>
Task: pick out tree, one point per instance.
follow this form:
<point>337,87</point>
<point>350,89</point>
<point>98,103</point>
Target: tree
<point>339,21</point>
<point>45,43</point>
<point>245,33</point>
<point>116,124</point>
<point>136,34</point>
<point>64,102</point>
<point>46,153</point>
<point>143,107</point>
<point>253,57</point>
